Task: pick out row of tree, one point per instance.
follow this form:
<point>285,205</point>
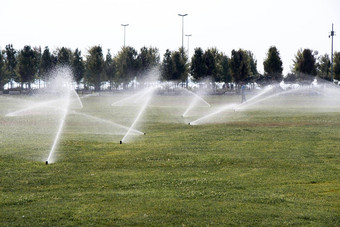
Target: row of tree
<point>30,64</point>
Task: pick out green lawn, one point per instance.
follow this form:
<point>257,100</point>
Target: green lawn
<point>257,167</point>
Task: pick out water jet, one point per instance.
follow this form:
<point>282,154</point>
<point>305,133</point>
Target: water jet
<point>145,104</point>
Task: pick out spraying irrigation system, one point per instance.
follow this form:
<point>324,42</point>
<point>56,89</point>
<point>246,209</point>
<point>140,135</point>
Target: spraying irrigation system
<point>62,101</point>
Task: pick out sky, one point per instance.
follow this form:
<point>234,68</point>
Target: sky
<point>252,25</point>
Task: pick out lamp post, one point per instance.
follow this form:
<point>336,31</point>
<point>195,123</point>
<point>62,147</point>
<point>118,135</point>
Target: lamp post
<point>124,25</point>
<point>332,33</point>
<point>188,42</point>
<point>182,15</point>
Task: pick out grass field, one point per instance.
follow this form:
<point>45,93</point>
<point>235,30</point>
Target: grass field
<point>263,166</point>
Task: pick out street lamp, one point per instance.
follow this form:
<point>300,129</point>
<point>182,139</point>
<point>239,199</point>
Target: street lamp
<point>124,25</point>
<point>182,15</point>
<point>188,42</point>
<point>332,33</point>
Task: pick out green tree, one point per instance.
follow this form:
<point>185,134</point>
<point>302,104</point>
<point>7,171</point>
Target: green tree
<point>210,62</point>
<point>37,51</point>
<point>147,59</point>
<point>167,67</point>
<point>272,65</point>
<point>3,78</point>
<point>11,63</point>
<point>240,65</point>
<point>198,68</point>
<point>95,66</point>
<point>252,63</point>
<point>336,65</point>
<point>179,60</point>
<point>126,65</point>
<point>305,64</point>
<point>225,69</point>
<point>78,66</point>
<point>46,63</point>
<point>324,67</point>
<point>27,65</point>
<point>64,56</point>
<point>110,69</point>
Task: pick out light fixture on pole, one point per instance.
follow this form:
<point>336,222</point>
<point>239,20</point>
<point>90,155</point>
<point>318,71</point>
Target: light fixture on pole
<point>124,25</point>
<point>182,15</point>
<point>332,33</point>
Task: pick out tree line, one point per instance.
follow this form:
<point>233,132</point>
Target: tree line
<point>29,64</point>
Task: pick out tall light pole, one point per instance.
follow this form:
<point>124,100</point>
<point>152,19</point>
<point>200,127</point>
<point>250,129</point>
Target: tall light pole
<point>188,42</point>
<point>182,15</point>
<point>332,33</point>
<point>124,25</point>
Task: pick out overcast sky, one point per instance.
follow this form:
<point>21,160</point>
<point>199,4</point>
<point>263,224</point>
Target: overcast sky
<point>248,24</point>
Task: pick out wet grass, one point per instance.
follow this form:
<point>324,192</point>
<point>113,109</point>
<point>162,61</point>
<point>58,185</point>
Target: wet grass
<point>263,168</point>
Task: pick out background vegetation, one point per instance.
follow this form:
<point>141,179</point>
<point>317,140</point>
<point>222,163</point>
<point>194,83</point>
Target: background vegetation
<point>29,64</point>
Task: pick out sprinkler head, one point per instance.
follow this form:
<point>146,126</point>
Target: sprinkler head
<point>189,123</point>
<point>120,142</point>
<point>46,162</point>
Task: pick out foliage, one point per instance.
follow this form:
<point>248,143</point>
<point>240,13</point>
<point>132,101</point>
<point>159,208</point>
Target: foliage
<point>225,67</point>
<point>198,68</point>
<point>210,58</point>
<point>78,66</point>
<point>252,63</point>
<point>305,62</point>
<point>110,68</point>
<point>167,68</point>
<point>174,66</point>
<point>3,77</point>
<point>272,65</point>
<point>147,59</point>
<point>126,65</point>
<point>129,65</point>
<point>210,64</point>
<point>27,65</point>
<point>11,62</point>
<point>336,65</point>
<point>46,63</point>
<point>324,67</point>
<point>94,66</point>
<point>64,56</point>
<point>240,65</point>
<point>180,66</point>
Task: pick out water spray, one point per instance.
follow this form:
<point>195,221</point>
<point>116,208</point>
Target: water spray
<point>231,106</point>
<point>60,129</point>
<point>194,102</point>
<point>139,115</point>
<point>109,122</point>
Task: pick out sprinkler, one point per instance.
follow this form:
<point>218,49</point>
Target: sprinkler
<point>189,123</point>
<point>144,133</point>
<point>46,162</point>
<point>120,142</point>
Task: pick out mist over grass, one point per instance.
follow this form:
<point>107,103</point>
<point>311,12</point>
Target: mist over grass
<point>269,164</point>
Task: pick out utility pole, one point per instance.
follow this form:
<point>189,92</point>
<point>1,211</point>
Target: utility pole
<point>332,33</point>
<point>124,25</point>
<point>182,15</point>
